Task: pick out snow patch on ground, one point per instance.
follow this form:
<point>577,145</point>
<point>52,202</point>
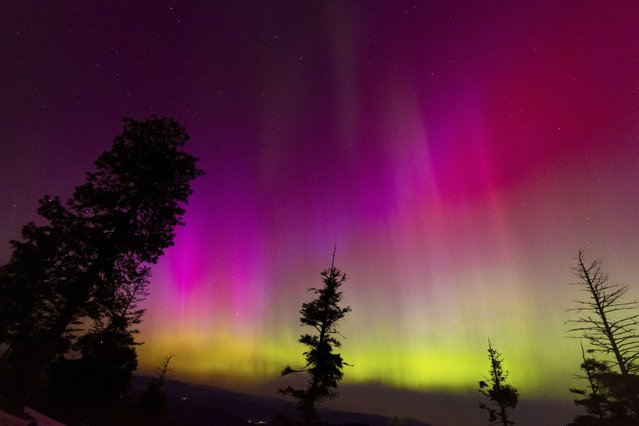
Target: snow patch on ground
<point>37,419</point>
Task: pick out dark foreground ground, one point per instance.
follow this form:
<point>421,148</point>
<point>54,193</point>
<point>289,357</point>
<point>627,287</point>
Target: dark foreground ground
<point>358,405</point>
<point>205,405</point>
<point>198,405</point>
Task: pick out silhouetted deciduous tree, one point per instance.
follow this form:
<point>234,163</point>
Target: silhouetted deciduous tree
<point>323,366</point>
<point>503,397</point>
<point>94,248</point>
<point>608,322</point>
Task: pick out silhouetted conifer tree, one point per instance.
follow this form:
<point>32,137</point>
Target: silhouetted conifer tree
<point>94,248</point>
<point>99,377</point>
<point>605,398</point>
<point>323,366</point>
<point>91,381</point>
<point>503,397</point>
<point>153,400</point>
<point>608,322</point>
<point>125,313</point>
<point>395,421</point>
<point>594,399</point>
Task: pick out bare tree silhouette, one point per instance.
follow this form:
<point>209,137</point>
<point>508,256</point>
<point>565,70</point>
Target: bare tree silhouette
<point>608,322</point>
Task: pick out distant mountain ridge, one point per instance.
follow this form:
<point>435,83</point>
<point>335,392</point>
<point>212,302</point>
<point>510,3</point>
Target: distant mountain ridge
<point>195,405</point>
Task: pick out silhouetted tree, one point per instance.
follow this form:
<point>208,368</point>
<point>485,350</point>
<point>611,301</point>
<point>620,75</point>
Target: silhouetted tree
<point>125,313</point>
<point>91,381</point>
<point>29,301</point>
<point>153,400</point>
<point>605,398</point>
<point>594,399</point>
<point>323,366</point>
<point>107,359</point>
<point>395,421</point>
<point>608,322</point>
<point>503,397</point>
<point>93,248</point>
<point>161,371</point>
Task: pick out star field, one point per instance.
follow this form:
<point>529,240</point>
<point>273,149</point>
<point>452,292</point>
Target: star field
<point>458,153</point>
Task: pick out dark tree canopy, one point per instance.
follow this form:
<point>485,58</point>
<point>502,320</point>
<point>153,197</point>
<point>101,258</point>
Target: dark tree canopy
<point>86,261</point>
<point>102,372</point>
<point>503,397</point>
<point>605,398</point>
<point>323,366</point>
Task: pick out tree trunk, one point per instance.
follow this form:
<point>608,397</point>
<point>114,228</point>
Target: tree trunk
<point>32,368</point>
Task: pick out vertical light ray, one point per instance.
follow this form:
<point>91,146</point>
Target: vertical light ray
<point>453,168</point>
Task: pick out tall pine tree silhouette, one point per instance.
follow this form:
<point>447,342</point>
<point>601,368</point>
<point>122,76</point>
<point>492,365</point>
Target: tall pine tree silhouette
<point>503,397</point>
<point>93,247</point>
<point>324,367</point>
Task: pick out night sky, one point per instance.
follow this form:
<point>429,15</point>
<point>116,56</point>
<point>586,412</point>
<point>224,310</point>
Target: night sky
<point>457,153</point>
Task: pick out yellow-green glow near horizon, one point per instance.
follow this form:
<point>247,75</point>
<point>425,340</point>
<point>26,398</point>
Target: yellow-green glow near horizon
<point>443,245</point>
<point>428,337</point>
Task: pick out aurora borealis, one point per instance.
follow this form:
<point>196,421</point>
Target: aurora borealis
<point>458,154</point>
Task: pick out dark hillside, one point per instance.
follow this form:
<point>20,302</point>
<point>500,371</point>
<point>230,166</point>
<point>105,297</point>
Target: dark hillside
<point>206,405</point>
